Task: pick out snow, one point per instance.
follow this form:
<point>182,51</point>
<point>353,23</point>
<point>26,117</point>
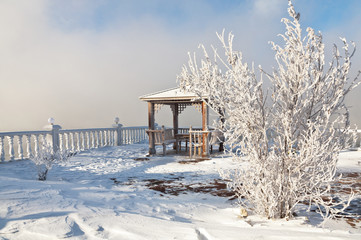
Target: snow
<point>350,161</point>
<point>105,194</point>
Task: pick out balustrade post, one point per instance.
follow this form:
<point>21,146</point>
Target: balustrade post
<point>77,134</point>
<point>55,137</point>
<point>36,145</point>
<point>82,136</point>
<point>98,139</point>
<point>20,147</point>
<point>105,138</point>
<point>111,135</point>
<point>133,136</point>
<point>87,134</point>
<point>28,146</point>
<point>101,133</point>
<point>66,141</point>
<point>61,142</point>
<point>93,139</point>
<point>11,147</point>
<point>54,134</point>
<point>118,127</point>
<point>2,149</point>
<point>127,136</point>
<point>72,142</point>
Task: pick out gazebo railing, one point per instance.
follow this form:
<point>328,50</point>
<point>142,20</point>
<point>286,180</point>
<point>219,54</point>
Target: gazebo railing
<point>183,130</point>
<point>198,143</point>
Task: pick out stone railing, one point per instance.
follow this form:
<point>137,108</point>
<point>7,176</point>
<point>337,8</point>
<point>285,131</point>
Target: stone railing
<point>23,145</point>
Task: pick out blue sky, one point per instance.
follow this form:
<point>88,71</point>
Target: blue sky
<point>85,62</point>
<point>99,15</point>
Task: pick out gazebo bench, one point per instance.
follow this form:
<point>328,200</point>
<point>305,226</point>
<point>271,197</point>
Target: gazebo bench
<point>163,137</point>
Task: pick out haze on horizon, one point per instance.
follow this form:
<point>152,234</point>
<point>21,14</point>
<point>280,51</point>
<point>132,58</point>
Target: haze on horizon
<point>86,62</point>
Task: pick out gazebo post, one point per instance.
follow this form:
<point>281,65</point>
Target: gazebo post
<point>175,124</point>
<point>205,121</point>
<point>205,117</point>
<point>222,113</point>
<point>151,121</point>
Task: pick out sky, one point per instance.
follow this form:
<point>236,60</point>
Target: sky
<point>85,62</point>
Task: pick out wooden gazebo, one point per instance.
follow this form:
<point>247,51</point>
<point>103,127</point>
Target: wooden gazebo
<point>178,101</point>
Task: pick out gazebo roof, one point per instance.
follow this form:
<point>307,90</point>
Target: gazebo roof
<point>172,94</point>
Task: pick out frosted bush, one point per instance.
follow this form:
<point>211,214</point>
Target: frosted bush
<point>46,158</point>
<point>291,134</point>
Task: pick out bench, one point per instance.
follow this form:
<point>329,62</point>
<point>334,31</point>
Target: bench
<point>163,137</point>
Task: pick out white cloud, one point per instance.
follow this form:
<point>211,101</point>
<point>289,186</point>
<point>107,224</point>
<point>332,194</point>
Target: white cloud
<point>267,8</point>
<point>84,77</point>
<point>79,76</point>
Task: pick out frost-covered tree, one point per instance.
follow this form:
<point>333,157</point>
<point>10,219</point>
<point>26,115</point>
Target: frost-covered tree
<point>46,158</point>
<point>287,138</point>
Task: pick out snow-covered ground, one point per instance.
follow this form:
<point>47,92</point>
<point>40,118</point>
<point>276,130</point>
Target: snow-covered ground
<point>106,194</point>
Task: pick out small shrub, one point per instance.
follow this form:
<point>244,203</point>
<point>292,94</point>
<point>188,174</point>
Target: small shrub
<point>46,158</point>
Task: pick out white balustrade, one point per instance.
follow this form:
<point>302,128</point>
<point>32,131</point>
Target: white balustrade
<point>19,145</point>
<point>24,145</point>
